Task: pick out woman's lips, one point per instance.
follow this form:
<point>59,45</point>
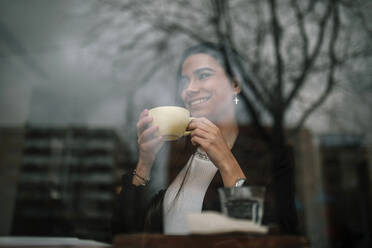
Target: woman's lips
<point>199,101</point>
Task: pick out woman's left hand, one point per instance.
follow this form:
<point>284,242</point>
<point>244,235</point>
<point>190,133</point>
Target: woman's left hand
<point>209,137</point>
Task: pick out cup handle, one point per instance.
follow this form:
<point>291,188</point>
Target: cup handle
<point>188,132</point>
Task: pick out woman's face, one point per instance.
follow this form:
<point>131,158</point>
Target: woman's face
<point>206,89</point>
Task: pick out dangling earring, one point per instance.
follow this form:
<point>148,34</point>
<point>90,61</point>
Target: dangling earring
<point>236,100</point>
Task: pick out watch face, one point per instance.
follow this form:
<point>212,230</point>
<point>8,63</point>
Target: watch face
<point>239,183</point>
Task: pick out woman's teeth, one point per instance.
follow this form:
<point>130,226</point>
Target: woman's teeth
<point>195,102</point>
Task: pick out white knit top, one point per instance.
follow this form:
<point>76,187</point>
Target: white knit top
<point>191,196</point>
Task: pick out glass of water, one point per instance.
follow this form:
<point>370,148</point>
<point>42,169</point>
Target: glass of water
<point>243,202</point>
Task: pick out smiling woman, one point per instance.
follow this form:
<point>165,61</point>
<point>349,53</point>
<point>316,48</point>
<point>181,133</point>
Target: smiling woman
<point>218,153</point>
<point>207,90</point>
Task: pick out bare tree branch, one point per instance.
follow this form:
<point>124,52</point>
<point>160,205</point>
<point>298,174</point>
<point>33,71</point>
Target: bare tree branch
<point>364,23</point>
<point>222,17</point>
<point>178,28</point>
<point>301,27</point>
<point>331,73</point>
<point>301,79</point>
<point>261,30</point>
<point>260,34</point>
<point>246,31</point>
<point>311,5</point>
<point>137,38</point>
<point>277,38</point>
<point>224,23</point>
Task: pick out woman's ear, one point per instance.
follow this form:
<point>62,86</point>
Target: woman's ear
<point>236,86</point>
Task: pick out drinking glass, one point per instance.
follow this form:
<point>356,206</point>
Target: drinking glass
<point>243,202</point>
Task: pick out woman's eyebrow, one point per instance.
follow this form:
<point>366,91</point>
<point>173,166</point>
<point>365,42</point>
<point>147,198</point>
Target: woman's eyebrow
<point>200,70</point>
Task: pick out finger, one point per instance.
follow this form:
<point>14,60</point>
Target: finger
<point>143,123</point>
<point>144,113</point>
<point>153,143</point>
<point>203,120</point>
<point>200,133</point>
<point>206,121</point>
<point>198,141</point>
<point>147,134</point>
<point>199,125</point>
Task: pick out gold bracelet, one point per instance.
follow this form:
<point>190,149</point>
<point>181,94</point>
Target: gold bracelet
<point>146,181</point>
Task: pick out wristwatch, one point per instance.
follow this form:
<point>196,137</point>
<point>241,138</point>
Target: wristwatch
<point>239,183</point>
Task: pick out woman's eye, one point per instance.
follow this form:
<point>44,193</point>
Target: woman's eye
<point>204,75</point>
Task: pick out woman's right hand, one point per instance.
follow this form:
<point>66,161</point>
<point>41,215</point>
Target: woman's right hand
<point>149,144</point>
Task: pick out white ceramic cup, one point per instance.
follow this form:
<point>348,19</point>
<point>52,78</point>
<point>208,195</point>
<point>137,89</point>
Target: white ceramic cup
<point>171,120</point>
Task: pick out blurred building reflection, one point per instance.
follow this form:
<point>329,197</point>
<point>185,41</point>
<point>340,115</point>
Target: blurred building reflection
<point>346,175</point>
<point>67,182</point>
<point>66,179</point>
<point>11,146</point>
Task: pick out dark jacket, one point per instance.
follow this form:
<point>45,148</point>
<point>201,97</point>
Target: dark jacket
<point>255,161</point>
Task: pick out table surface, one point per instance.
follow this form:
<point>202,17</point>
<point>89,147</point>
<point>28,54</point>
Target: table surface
<point>206,241</point>
<point>163,241</point>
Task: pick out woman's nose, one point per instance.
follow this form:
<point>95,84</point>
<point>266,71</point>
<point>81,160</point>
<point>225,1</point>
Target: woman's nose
<point>192,88</point>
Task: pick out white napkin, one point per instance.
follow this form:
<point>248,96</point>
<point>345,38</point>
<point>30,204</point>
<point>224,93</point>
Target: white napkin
<point>210,222</point>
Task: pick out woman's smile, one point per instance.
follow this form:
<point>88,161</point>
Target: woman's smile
<point>197,102</point>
